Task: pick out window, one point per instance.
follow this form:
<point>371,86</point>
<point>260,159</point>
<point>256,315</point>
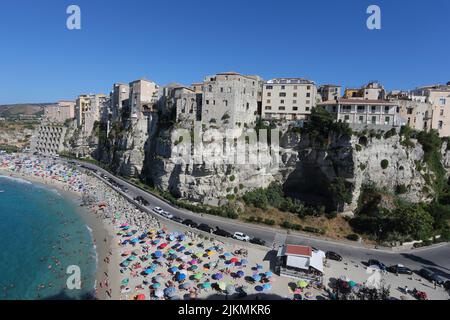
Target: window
<point>361,109</point>
<point>387,120</point>
<point>374,120</point>
<point>221,89</point>
<point>295,87</point>
<point>361,119</point>
<point>281,108</point>
<point>347,118</point>
<point>282,94</point>
<point>442,112</point>
<point>269,94</point>
<point>442,101</point>
<point>373,109</point>
<point>295,94</point>
<point>269,87</point>
<point>294,101</point>
<point>225,102</point>
<point>308,102</point>
<point>386,109</point>
<point>307,108</point>
<point>207,101</point>
<point>410,110</point>
<point>308,94</point>
<point>440,125</point>
<point>308,87</point>
<point>282,101</point>
<point>268,100</point>
<point>210,88</point>
<point>283,87</point>
<point>295,108</point>
<point>268,108</point>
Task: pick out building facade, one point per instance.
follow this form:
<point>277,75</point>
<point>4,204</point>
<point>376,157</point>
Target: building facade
<point>48,139</point>
<point>230,99</point>
<point>371,91</point>
<point>439,98</point>
<point>142,98</point>
<point>119,100</point>
<point>364,113</point>
<point>88,110</point>
<point>288,98</point>
<point>59,112</point>
<point>329,92</point>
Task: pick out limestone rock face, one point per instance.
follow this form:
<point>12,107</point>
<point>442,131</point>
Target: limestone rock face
<point>305,169</point>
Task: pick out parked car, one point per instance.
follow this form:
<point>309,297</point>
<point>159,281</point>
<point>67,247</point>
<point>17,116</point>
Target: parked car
<point>258,241</point>
<point>432,276</point>
<point>333,256</point>
<point>447,285</point>
<point>376,263</point>
<point>177,219</point>
<point>400,269</point>
<point>222,233</point>
<point>190,223</point>
<point>166,214</point>
<point>158,210</point>
<point>205,227</point>
<point>241,236</point>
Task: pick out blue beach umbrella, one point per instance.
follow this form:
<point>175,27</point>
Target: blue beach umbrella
<point>158,254</point>
<point>173,269</point>
<point>240,273</point>
<point>267,286</point>
<point>268,274</point>
<point>180,276</point>
<point>256,277</point>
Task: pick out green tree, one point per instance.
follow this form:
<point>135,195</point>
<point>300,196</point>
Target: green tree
<point>414,221</point>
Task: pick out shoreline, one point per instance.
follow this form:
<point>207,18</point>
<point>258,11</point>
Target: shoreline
<point>99,229</point>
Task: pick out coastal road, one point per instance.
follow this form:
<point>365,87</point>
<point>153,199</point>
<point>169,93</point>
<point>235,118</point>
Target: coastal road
<point>436,258</point>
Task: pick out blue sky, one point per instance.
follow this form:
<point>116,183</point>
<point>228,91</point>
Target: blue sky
<point>182,41</point>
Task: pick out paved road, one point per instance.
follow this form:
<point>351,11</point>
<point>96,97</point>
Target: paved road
<point>436,257</point>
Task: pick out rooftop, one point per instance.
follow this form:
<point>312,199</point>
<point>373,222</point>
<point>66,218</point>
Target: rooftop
<point>292,249</point>
<point>357,101</point>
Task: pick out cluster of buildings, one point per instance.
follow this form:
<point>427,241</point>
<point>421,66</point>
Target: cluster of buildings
<point>233,100</point>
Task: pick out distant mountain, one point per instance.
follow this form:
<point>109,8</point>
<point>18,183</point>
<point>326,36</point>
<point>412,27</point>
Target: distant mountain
<point>13,110</point>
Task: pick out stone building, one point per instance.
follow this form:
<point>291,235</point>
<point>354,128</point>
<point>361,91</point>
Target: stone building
<point>142,98</point>
<point>371,91</point>
<point>414,113</point>
<point>230,100</point>
<point>439,97</point>
<point>288,98</point>
<point>59,112</point>
<point>119,100</point>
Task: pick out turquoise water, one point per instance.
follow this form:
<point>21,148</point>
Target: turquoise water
<point>41,228</point>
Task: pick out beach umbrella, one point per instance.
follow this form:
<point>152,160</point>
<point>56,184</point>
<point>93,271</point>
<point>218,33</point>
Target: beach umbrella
<point>227,254</point>
<point>186,285</point>
<point>259,267</point>
<point>184,258</point>
<point>230,289</point>
<point>193,261</point>
<point>180,276</point>
<point>176,245</point>
<point>240,273</point>
<point>206,285</point>
<point>159,293</point>
<point>244,262</point>
<point>156,285</point>
<point>222,285</point>
<point>194,267</point>
<point>267,286</point>
<point>302,284</point>
<point>198,276</point>
<point>156,241</point>
<point>256,277</point>
<point>158,254</point>
<point>149,271</point>
<point>234,260</point>
<point>352,283</point>
<point>173,257</point>
<point>171,251</point>
<point>125,281</point>
<point>162,245</point>
<point>268,274</point>
<point>132,258</point>
<point>181,249</point>
<point>170,291</point>
<point>259,288</point>
<point>210,253</point>
<point>158,278</point>
<point>173,269</point>
<point>140,297</point>
<point>217,276</point>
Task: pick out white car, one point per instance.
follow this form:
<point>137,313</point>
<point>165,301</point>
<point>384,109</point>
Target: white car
<point>166,214</point>
<point>241,236</point>
<point>158,210</point>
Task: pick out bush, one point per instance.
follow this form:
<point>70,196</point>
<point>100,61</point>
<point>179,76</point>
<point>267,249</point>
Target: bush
<point>331,215</point>
<point>401,189</point>
<point>269,222</point>
<point>353,237</point>
<point>232,178</point>
<point>358,148</point>
<point>313,230</point>
<point>384,164</point>
<point>286,225</point>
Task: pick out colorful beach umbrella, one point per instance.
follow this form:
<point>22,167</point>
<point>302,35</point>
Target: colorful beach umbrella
<point>302,284</point>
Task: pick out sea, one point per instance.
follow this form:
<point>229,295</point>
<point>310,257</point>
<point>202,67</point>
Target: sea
<point>43,240</point>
